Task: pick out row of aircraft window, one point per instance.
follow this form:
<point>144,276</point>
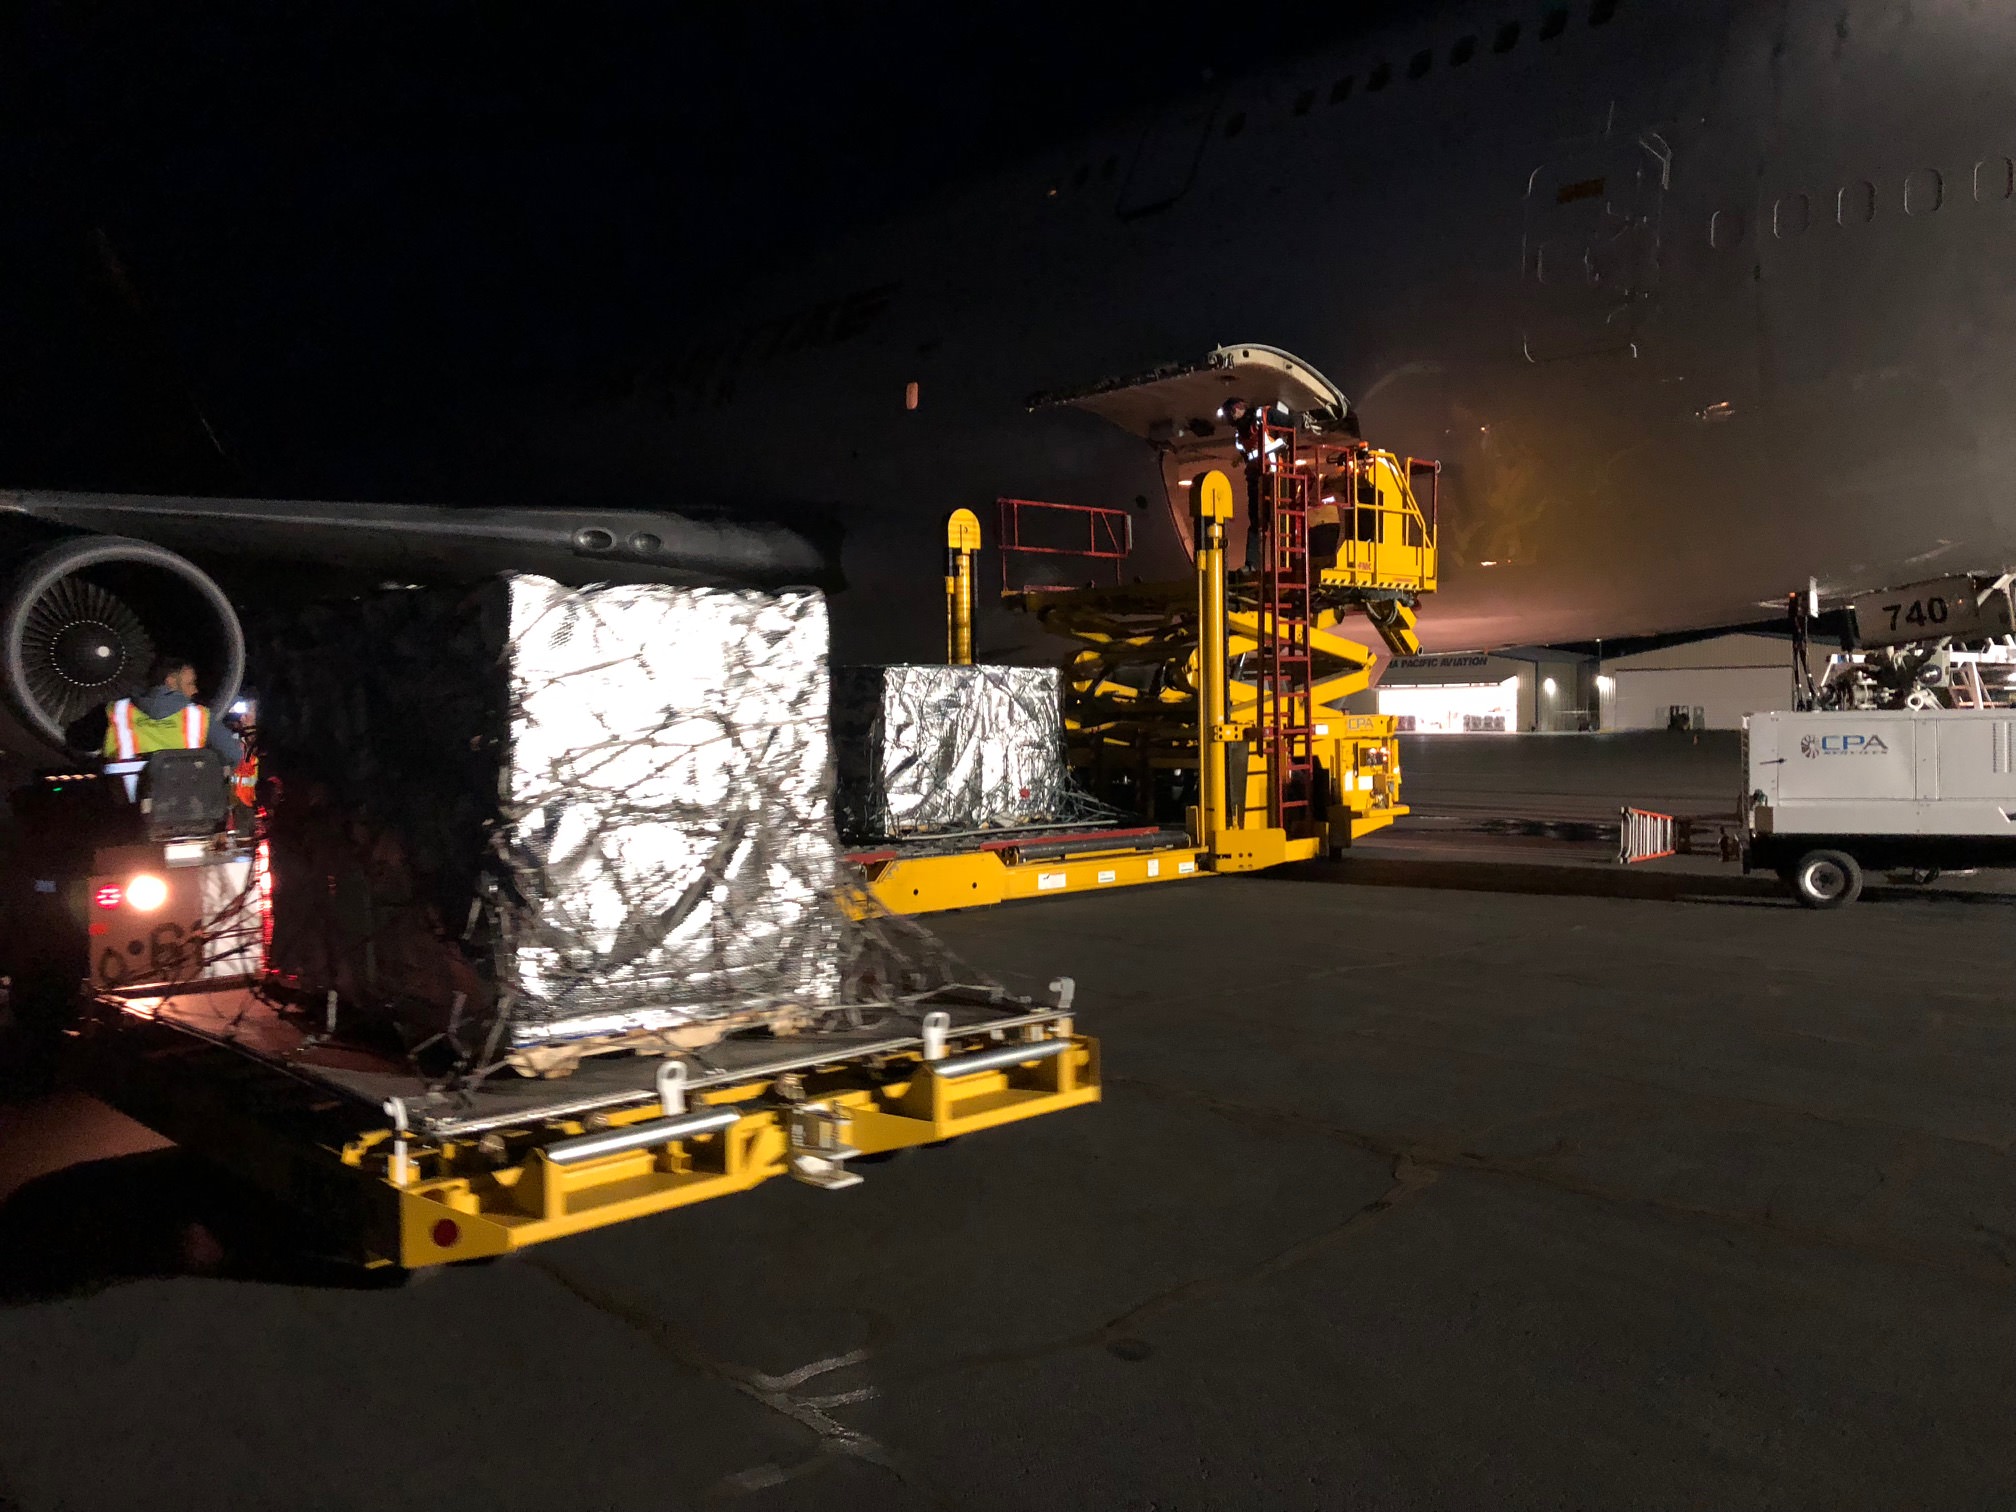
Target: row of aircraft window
<point>1461,51</point>
<point>1855,204</point>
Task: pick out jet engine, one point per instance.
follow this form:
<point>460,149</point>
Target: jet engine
<point>84,619</point>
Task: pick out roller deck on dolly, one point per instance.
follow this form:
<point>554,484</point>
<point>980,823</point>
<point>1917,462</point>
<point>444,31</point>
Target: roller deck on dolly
<point>391,1169</point>
<point>1215,702</point>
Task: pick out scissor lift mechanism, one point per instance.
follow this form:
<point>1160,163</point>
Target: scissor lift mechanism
<point>1272,661</point>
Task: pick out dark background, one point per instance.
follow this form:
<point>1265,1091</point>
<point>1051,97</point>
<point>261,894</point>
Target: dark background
<point>223,220</point>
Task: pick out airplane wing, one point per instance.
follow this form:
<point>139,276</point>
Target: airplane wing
<point>102,583</point>
<point>570,545</point>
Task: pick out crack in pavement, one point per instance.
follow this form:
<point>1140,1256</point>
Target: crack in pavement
<point>1409,1179</point>
<point>775,1392</point>
<point>2001,1276</point>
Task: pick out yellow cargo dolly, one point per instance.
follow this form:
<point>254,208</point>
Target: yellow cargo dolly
<point>392,1173</point>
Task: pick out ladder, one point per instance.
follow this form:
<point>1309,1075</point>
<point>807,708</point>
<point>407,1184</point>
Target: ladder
<point>1280,480</point>
<point>1646,835</point>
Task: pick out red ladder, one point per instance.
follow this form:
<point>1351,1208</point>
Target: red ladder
<point>1281,485</point>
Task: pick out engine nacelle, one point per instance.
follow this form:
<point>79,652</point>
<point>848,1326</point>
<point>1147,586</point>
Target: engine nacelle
<point>84,619</point>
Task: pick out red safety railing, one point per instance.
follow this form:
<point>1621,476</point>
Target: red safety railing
<point>1286,663</point>
<point>1038,528</point>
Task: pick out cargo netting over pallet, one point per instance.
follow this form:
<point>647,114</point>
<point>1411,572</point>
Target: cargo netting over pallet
<point>521,820</point>
<point>942,751</point>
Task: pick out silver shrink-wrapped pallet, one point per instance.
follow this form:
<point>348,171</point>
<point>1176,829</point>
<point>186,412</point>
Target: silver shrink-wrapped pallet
<point>666,828</point>
<point>533,819</point>
<point>932,750</point>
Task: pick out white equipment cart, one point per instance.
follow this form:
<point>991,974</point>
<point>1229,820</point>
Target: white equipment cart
<point>1831,793</point>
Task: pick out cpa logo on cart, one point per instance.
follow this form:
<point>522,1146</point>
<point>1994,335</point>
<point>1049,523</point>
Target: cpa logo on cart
<point>1811,746</point>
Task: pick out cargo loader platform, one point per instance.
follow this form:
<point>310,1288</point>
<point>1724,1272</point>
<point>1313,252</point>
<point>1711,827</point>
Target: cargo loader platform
<point>392,1170</point>
<point>930,877</point>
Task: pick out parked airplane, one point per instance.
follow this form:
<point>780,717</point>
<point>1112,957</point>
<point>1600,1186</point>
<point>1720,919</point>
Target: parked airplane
<point>1693,301</point>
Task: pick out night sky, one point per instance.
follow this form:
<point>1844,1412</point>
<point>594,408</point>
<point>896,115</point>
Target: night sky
<point>222,217</point>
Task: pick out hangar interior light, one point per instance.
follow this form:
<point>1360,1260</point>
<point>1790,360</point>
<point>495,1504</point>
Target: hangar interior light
<point>1454,708</point>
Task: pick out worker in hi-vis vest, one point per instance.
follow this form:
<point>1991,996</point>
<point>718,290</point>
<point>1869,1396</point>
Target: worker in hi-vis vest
<point>165,718</point>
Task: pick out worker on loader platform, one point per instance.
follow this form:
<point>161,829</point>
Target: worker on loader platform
<point>1247,441</point>
<point>1249,431</point>
<point>166,718</point>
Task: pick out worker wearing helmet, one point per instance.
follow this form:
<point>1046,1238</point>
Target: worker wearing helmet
<point>245,776</point>
<point>166,718</point>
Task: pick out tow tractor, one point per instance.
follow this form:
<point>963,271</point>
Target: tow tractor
<point>151,917</point>
<point>1209,708</point>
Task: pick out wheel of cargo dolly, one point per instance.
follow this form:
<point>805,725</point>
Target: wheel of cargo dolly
<point>1826,879</point>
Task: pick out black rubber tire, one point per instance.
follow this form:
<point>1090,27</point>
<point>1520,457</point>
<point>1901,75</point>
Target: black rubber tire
<point>1826,879</point>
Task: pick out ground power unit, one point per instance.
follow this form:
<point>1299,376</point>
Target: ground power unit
<point>1830,794</point>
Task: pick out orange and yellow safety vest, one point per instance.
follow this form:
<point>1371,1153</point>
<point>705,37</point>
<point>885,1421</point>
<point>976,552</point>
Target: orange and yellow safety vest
<point>245,782</point>
<point>133,734</point>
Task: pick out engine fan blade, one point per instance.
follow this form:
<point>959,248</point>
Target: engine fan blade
<point>83,646</point>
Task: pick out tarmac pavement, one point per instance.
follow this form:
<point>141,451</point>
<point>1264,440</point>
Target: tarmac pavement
<point>1400,1196</point>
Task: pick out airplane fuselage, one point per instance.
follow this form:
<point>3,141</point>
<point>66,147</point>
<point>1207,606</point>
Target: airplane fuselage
<point>1692,301</point>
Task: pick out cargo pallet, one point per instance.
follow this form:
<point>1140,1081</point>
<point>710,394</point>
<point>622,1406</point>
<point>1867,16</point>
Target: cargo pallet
<point>388,1171</point>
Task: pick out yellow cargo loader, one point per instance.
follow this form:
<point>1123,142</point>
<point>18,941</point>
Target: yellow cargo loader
<point>1225,689</point>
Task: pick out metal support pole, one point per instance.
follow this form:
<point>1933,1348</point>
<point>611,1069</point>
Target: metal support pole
<point>1211,508</point>
<point>962,543</point>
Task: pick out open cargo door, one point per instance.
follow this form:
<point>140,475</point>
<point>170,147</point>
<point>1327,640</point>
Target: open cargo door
<point>1178,410</point>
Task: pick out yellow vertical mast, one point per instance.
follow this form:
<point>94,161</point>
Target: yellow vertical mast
<point>962,543</point>
<point>1211,506</point>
